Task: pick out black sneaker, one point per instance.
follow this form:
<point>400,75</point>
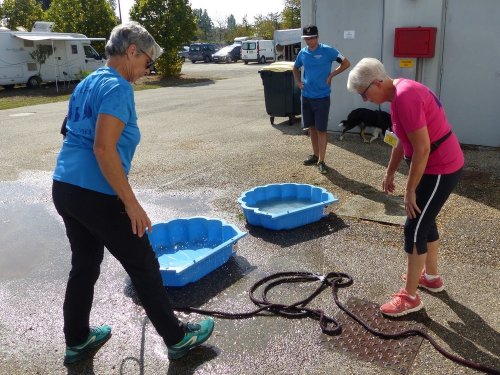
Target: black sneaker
<point>322,167</point>
<point>311,160</point>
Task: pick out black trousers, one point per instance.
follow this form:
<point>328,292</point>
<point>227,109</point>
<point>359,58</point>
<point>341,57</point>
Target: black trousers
<point>94,221</point>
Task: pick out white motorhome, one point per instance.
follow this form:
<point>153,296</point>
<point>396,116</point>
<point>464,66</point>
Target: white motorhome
<point>257,50</point>
<point>70,54</point>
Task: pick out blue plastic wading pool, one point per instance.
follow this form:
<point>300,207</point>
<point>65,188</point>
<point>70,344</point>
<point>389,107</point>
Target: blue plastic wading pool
<point>285,206</point>
<point>190,248</point>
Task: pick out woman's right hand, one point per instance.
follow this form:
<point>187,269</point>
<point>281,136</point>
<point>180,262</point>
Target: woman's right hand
<point>388,185</point>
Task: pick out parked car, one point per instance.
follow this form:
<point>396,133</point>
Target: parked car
<point>201,52</point>
<point>183,53</point>
<point>228,54</point>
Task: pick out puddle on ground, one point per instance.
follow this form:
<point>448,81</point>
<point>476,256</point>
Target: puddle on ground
<point>29,238</point>
<point>33,234</point>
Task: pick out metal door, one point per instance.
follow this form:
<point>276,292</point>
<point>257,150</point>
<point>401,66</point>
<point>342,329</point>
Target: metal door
<point>470,79</point>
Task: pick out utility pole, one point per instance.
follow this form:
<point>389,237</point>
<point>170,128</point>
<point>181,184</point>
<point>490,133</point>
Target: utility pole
<point>120,11</point>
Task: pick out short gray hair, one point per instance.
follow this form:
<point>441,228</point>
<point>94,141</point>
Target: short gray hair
<point>365,72</point>
<point>122,36</point>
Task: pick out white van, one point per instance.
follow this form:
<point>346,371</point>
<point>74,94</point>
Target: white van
<point>257,50</point>
<point>70,55</point>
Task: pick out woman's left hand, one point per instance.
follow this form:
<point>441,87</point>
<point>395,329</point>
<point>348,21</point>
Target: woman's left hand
<point>411,204</point>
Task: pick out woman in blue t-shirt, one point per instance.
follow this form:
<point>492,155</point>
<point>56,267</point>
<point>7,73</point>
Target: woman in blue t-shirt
<point>92,194</point>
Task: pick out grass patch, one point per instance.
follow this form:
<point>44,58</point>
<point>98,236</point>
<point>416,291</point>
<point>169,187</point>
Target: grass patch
<point>21,96</point>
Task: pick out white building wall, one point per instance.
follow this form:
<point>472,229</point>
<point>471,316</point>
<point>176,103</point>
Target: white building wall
<point>365,28</point>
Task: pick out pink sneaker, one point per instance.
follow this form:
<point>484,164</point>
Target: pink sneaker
<point>435,285</point>
<point>401,304</point>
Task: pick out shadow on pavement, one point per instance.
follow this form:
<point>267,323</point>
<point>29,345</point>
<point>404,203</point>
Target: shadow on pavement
<point>285,238</point>
<point>200,292</point>
<point>468,337</point>
<point>364,190</point>
<point>85,366</point>
<point>477,183</point>
<point>190,364</point>
<point>186,365</point>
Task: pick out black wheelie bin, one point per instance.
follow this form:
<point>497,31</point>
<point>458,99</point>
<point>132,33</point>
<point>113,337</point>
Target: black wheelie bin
<point>281,94</point>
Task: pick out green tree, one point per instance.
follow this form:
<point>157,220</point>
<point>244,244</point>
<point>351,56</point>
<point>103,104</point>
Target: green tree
<point>93,18</point>
<point>246,28</point>
<point>231,23</point>
<point>265,26</point>
<point>45,4</point>
<point>291,14</point>
<point>172,24</point>
<point>67,15</point>
<point>204,22</point>
<point>22,13</point>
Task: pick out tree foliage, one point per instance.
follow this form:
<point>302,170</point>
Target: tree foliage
<point>291,14</point>
<point>204,22</point>
<point>264,26</point>
<point>22,13</point>
<point>231,23</point>
<point>45,4</point>
<point>94,18</point>
<point>172,24</point>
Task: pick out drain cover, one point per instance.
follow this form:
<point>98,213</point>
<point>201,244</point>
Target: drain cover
<point>396,354</point>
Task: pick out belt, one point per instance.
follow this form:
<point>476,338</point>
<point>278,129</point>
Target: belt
<point>434,146</point>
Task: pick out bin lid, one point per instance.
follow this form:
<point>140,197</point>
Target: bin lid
<point>280,66</point>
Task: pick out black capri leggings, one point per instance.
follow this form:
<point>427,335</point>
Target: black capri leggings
<point>432,193</point>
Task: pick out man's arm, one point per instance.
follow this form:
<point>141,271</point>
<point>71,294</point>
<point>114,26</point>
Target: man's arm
<point>343,66</point>
<point>296,76</point>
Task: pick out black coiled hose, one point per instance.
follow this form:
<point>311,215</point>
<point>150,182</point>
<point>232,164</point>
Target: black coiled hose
<point>329,326</point>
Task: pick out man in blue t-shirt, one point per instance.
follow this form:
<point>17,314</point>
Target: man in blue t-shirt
<point>316,60</point>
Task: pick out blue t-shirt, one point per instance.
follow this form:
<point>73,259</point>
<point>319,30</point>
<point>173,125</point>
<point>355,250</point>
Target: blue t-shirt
<point>317,66</point>
<point>104,91</point>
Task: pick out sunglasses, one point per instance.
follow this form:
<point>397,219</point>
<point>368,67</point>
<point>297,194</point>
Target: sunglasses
<point>151,61</point>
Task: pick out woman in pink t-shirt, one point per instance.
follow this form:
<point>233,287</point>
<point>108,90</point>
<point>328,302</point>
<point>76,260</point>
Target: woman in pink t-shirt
<point>425,140</point>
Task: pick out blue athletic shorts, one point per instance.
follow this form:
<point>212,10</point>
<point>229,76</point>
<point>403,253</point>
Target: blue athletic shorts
<point>432,193</point>
<point>315,113</point>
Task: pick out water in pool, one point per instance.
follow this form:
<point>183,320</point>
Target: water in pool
<point>279,206</point>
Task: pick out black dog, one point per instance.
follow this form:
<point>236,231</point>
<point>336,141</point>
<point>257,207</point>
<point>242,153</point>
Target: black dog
<point>363,117</point>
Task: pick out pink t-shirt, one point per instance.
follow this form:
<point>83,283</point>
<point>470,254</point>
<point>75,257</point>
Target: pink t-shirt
<point>415,106</point>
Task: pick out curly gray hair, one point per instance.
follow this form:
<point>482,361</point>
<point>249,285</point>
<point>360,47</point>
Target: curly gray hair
<point>122,36</point>
<point>365,72</point>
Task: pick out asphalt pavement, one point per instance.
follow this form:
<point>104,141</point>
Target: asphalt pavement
<point>203,145</point>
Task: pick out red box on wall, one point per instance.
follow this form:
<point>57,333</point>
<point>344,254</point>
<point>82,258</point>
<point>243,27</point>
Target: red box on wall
<point>414,41</point>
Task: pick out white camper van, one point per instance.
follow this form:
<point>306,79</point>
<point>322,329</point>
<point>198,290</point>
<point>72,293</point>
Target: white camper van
<point>69,55</point>
<point>257,50</point>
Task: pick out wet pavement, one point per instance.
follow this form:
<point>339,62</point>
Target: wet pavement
<point>202,146</point>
